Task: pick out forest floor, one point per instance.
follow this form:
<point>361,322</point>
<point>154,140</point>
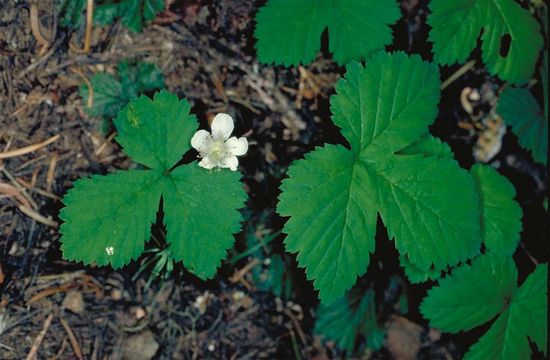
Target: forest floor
<point>63,310</point>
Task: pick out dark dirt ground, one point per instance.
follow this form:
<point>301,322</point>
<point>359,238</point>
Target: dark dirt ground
<point>63,310</point>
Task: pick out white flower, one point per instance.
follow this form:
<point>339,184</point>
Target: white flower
<point>218,149</point>
<point>110,250</point>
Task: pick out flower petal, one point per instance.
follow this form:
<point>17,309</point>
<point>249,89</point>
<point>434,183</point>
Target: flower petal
<point>222,126</point>
<point>206,163</point>
<point>236,146</point>
<point>230,162</point>
<point>201,140</point>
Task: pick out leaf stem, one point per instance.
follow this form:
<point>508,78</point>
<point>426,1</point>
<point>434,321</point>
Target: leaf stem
<point>461,71</point>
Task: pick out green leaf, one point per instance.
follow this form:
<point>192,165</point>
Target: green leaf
<point>149,77</point>
<point>520,110</point>
<point>544,77</point>
<point>289,32</point>
<point>115,211</point>
<point>151,8</point>
<point>333,196</point>
<point>106,14</point>
<point>472,294</point>
<point>456,26</point>
<point>108,218</point>
<point>417,275</point>
<point>432,222</point>
<point>139,77</point>
<point>531,301</point>
<point>108,95</point>
<point>156,132</point>
<point>503,341</point>
<point>348,318</point>
<point>325,192</point>
<point>70,12</point>
<point>429,146</point>
<point>135,13</point>
<point>200,216</point>
<point>359,28</point>
<point>544,67</point>
<point>501,214</point>
<point>274,277</point>
<point>525,316</point>
<point>112,93</point>
<point>388,105</point>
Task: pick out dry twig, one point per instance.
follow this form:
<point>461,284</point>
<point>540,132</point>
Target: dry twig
<point>38,341</point>
<point>72,338</point>
<point>14,192</point>
<point>104,144</point>
<point>38,217</point>
<point>461,71</point>
<point>90,100</point>
<point>89,27</point>
<point>35,28</point>
<point>297,326</point>
<point>241,273</point>
<point>51,172</point>
<point>28,149</point>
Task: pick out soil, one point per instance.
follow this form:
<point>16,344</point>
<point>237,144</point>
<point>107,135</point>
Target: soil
<point>63,310</point>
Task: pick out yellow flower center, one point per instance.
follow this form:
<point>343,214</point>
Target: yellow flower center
<point>217,151</point>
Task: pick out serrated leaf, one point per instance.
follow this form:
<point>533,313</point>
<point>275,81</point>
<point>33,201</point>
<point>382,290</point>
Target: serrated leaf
<point>108,218</point>
<point>108,95</point>
<point>289,32</point>
<point>156,132</point>
<point>112,93</point>
<point>428,146</point>
<point>520,110</point>
<point>70,12</point>
<point>135,12</point>
<point>471,295</point>
<point>531,301</point>
<point>474,294</point>
<point>503,341</point>
<point>501,214</point>
<point>114,211</point>
<point>359,28</point>
<point>456,26</point>
<point>388,105</point>
<point>325,192</point>
<point>149,77</point>
<point>525,316</point>
<point>381,110</point>
<point>106,14</point>
<point>417,275</point>
<point>151,8</point>
<point>429,219</point>
<point>348,318</point>
<point>139,77</point>
<point>544,66</point>
<point>200,216</point>
<point>544,79</point>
